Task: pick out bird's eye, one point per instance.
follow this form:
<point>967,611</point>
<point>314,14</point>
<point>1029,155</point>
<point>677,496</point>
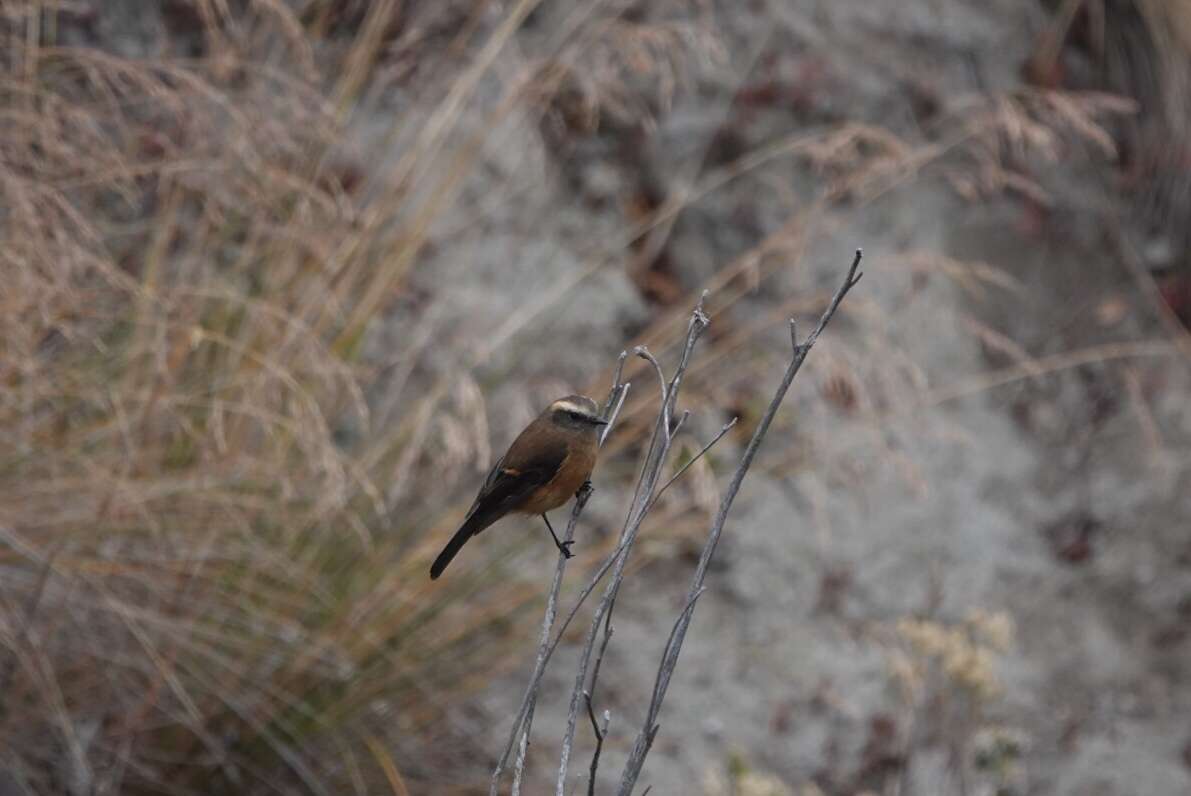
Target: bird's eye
<point>575,415</point>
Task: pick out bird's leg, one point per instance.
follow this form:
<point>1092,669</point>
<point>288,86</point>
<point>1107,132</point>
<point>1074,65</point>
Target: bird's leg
<point>563,547</point>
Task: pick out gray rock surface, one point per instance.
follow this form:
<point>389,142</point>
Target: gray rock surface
<point>1022,500</point>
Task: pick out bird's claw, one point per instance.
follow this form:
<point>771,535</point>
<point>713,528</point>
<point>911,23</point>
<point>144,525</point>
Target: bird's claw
<point>565,549</point>
<point>584,491</point>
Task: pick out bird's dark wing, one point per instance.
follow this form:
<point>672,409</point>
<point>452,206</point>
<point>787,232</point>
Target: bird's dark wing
<point>514,478</point>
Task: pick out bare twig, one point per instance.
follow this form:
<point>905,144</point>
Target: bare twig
<point>674,640</point>
<point>583,595</point>
<point>620,391</point>
<point>527,705</point>
<point>595,671</point>
<point>588,695</point>
<point>651,469</point>
<point>524,721</point>
<point>600,734</point>
<point>644,353</point>
<point>727,427</point>
<point>522,750</point>
<point>680,422</point>
<point>673,647</point>
<point>644,498</point>
<point>525,710</point>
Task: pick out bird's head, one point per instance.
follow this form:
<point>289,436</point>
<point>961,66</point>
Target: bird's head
<point>575,413</point>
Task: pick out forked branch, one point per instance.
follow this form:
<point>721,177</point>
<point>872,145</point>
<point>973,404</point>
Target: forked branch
<point>651,470</point>
<point>522,725</point>
<point>644,498</point>
<point>673,646</point>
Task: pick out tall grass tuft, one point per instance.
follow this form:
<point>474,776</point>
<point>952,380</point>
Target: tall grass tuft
<point>211,567</point>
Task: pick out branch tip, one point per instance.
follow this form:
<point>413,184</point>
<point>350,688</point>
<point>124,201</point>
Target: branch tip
<point>854,277</point>
<point>616,379</point>
<point>649,730</point>
<point>686,413</point>
<point>699,318</point>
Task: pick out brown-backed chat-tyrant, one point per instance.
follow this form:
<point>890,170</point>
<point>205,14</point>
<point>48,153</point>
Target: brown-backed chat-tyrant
<point>548,462</point>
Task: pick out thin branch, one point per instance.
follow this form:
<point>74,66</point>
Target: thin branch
<point>600,734</point>
<point>525,711</point>
<point>685,416</point>
<point>608,630</point>
<point>645,354</point>
<point>651,469</point>
<point>587,696</point>
<point>673,641</point>
<point>644,742</point>
<point>727,427</point>
<point>527,705</point>
<point>615,400</point>
<point>522,750</point>
<point>524,721</point>
<point>695,326</point>
<point>583,595</point>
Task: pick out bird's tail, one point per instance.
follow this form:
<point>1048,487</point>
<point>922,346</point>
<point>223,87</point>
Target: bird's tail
<point>471,526</point>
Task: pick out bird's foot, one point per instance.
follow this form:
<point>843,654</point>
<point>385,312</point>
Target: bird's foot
<point>565,549</point>
<point>584,492</point>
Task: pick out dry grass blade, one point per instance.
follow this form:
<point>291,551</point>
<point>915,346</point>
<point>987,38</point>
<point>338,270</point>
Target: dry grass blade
<point>185,243</point>
<point>385,761</point>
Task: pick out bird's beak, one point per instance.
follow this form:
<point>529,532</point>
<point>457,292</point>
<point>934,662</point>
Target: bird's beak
<point>599,421</point>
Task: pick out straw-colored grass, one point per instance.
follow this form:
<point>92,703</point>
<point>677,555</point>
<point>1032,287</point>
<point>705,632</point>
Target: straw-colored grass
<point>213,579</point>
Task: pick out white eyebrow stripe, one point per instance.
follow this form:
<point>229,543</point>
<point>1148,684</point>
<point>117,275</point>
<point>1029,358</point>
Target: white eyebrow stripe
<point>569,406</point>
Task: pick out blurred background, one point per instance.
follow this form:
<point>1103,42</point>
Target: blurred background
<point>280,277</point>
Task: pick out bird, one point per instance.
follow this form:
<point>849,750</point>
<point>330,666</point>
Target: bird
<point>548,462</point>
